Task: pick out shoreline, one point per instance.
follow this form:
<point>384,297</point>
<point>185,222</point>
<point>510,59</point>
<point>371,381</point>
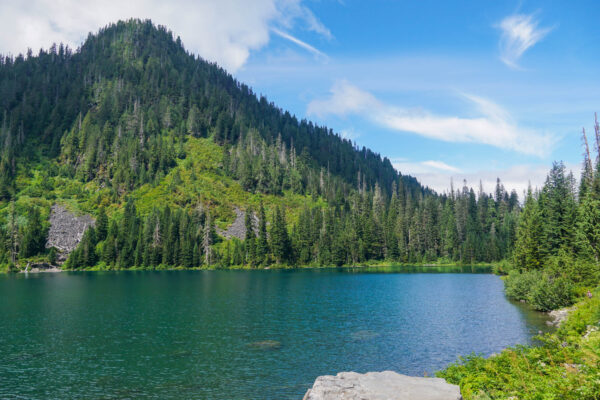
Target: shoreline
<point>54,269</point>
<point>51,270</point>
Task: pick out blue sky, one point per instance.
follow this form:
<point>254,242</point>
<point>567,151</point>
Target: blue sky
<point>432,59</point>
<point>463,90</point>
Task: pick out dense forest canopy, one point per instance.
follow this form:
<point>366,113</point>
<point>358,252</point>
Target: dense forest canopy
<point>160,146</point>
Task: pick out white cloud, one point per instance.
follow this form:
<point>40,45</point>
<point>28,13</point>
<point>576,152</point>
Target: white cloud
<point>440,165</point>
<point>519,33</point>
<point>438,175</point>
<point>295,9</point>
<point>439,179</point>
<point>493,126</point>
<point>225,31</point>
<point>299,42</point>
<point>417,168</point>
<point>345,99</point>
<point>349,134</point>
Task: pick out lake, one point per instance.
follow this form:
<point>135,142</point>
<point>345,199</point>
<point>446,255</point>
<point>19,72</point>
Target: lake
<point>241,334</point>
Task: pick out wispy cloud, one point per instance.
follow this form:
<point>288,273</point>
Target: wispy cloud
<point>440,165</point>
<point>299,42</point>
<point>222,31</point>
<point>295,9</point>
<point>439,177</point>
<point>349,134</point>
<point>423,167</point>
<point>494,125</point>
<point>519,33</point>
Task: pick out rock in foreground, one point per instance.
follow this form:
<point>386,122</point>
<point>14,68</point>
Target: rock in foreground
<point>386,385</point>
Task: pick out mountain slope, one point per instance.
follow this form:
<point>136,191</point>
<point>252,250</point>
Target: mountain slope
<point>131,123</point>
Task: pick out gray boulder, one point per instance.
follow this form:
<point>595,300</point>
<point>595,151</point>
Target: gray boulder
<point>386,385</point>
<point>559,316</point>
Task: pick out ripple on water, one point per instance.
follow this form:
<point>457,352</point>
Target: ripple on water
<point>229,335</point>
<point>363,335</point>
<point>265,345</point>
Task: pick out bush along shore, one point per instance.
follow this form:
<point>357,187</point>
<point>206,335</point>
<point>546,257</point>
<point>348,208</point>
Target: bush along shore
<point>555,265</point>
<point>566,365</point>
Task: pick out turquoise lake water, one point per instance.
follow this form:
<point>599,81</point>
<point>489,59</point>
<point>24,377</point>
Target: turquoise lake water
<point>241,334</point>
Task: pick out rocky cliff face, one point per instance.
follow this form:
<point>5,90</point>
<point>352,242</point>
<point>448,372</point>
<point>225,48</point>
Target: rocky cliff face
<point>66,230</point>
<point>385,385</point>
<point>238,227</point>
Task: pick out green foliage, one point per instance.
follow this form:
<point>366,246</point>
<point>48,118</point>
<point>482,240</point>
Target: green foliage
<point>550,293</point>
<point>132,115</point>
<point>565,366</point>
<point>503,267</point>
<point>529,249</point>
<point>588,227</point>
<point>161,238</point>
<point>541,290</point>
<point>518,285</point>
<point>279,240</point>
<point>34,234</point>
<point>559,237</point>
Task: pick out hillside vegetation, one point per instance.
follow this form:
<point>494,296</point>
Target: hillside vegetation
<point>162,147</point>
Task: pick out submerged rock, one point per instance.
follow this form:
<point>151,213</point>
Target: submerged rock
<point>180,353</point>
<point>364,335</point>
<point>266,345</point>
<point>386,385</point>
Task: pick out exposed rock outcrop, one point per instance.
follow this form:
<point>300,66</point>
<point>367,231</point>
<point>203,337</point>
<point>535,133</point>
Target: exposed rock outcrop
<point>558,316</point>
<point>386,385</point>
<point>238,227</point>
<point>66,230</point>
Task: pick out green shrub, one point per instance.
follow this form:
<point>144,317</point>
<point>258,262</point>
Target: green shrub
<point>581,271</point>
<point>564,366</point>
<point>518,285</point>
<point>503,267</point>
<point>52,256</point>
<point>542,290</point>
<point>550,293</point>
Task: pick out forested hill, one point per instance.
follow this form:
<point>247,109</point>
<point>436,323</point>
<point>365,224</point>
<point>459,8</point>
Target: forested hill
<point>164,149</point>
<point>132,81</point>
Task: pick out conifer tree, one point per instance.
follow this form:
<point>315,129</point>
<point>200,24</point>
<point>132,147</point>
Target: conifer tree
<point>529,252</point>
<point>101,225</point>
<point>208,241</point>
<point>262,245</point>
<point>34,236</point>
<point>280,243</point>
<point>250,238</point>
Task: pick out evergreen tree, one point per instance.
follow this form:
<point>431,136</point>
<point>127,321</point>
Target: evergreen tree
<point>557,205</point>
<point>529,252</point>
<point>101,225</point>
<point>208,241</point>
<point>262,245</point>
<point>34,236</point>
<point>280,243</point>
<point>250,238</point>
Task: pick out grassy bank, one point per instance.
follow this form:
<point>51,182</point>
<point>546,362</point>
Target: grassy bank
<point>379,266</point>
<point>565,366</point>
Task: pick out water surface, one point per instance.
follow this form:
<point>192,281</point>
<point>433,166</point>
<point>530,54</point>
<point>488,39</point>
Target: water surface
<point>240,334</point>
